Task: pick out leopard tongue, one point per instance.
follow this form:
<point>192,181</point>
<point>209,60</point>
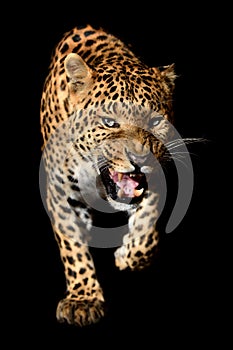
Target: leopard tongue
<point>127,185</point>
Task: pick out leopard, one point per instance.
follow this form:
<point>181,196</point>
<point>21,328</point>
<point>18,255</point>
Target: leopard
<point>106,118</point>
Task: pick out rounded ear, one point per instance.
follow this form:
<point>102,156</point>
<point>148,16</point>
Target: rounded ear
<point>77,71</point>
<point>167,73</point>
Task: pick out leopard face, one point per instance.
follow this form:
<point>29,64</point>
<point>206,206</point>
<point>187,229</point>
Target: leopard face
<point>119,144</point>
<point>105,120</point>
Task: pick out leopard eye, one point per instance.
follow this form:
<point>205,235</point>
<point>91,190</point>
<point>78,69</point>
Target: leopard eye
<point>110,122</point>
<point>155,121</point>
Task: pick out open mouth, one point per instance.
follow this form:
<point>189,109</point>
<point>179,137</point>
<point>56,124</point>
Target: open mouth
<point>124,187</point>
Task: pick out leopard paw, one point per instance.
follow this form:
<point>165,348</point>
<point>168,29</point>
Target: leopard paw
<point>135,259</point>
<point>121,258</point>
<point>80,312</point>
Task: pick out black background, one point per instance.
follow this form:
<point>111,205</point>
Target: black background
<point>178,299</point>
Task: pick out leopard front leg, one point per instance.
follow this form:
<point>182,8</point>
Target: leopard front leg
<point>84,301</point>
<point>71,220</point>
<point>140,243</point>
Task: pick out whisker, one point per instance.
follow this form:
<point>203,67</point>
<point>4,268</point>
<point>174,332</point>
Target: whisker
<point>177,156</point>
<point>102,163</point>
<point>182,142</point>
<point>174,146</point>
<point>185,140</point>
<point>174,141</point>
<point>180,160</point>
<point>180,152</point>
<point>174,158</point>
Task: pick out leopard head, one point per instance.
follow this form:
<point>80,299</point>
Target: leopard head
<point>121,123</point>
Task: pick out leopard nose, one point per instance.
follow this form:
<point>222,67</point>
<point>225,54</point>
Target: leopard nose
<point>138,159</point>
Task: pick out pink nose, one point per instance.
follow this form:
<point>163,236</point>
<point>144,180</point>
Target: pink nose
<point>138,159</point>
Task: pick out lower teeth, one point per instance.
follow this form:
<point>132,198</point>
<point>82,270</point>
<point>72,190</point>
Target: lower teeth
<point>138,193</point>
<point>120,193</point>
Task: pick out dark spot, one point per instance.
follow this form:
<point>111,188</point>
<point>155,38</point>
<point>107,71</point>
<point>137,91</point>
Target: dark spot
<point>59,190</point>
<point>72,273</point>
<point>64,48</point>
<point>86,105</point>
<point>113,89</point>
<point>77,285</point>
<point>85,281</point>
<point>149,253</point>
<point>110,79</point>
<point>139,228</point>
<point>98,94</point>
<point>106,76</point>
<point>74,202</point>
<point>144,214</point>
<point>79,256</point>
<point>88,256</point>
<point>77,48</point>
<point>61,229</point>
<point>61,216</point>
<point>138,254</point>
<point>143,260</point>
<point>75,188</point>
<point>91,58</point>
<point>58,238</point>
<point>90,267</point>
<point>70,260</point>
<point>147,89</point>
<point>65,209</point>
<point>72,179</point>
<point>147,96</point>
<point>86,54</point>
<point>62,71</point>
<point>89,32</point>
<point>89,42</point>
<point>76,38</point>
<point>67,245</point>
<point>62,85</point>
<point>150,240</point>
<point>142,239</point>
<point>82,147</point>
<point>114,97</point>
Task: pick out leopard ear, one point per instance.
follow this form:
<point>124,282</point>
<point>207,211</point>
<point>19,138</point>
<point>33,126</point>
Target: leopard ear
<point>78,72</point>
<point>167,73</point>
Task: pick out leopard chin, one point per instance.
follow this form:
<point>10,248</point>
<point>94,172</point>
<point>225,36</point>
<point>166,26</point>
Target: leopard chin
<point>125,188</point>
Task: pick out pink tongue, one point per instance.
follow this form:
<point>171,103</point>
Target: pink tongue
<point>127,185</point>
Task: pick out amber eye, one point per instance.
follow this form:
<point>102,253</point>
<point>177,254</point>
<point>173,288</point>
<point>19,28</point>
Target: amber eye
<point>110,122</point>
<point>155,121</point>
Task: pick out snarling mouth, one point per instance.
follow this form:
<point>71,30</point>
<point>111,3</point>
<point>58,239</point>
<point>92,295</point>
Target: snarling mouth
<point>124,187</point>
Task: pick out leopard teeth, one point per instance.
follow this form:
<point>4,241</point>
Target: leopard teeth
<point>120,193</point>
<point>138,193</point>
<point>120,176</point>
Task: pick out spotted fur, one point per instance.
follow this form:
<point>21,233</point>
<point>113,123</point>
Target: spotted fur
<point>105,117</point>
